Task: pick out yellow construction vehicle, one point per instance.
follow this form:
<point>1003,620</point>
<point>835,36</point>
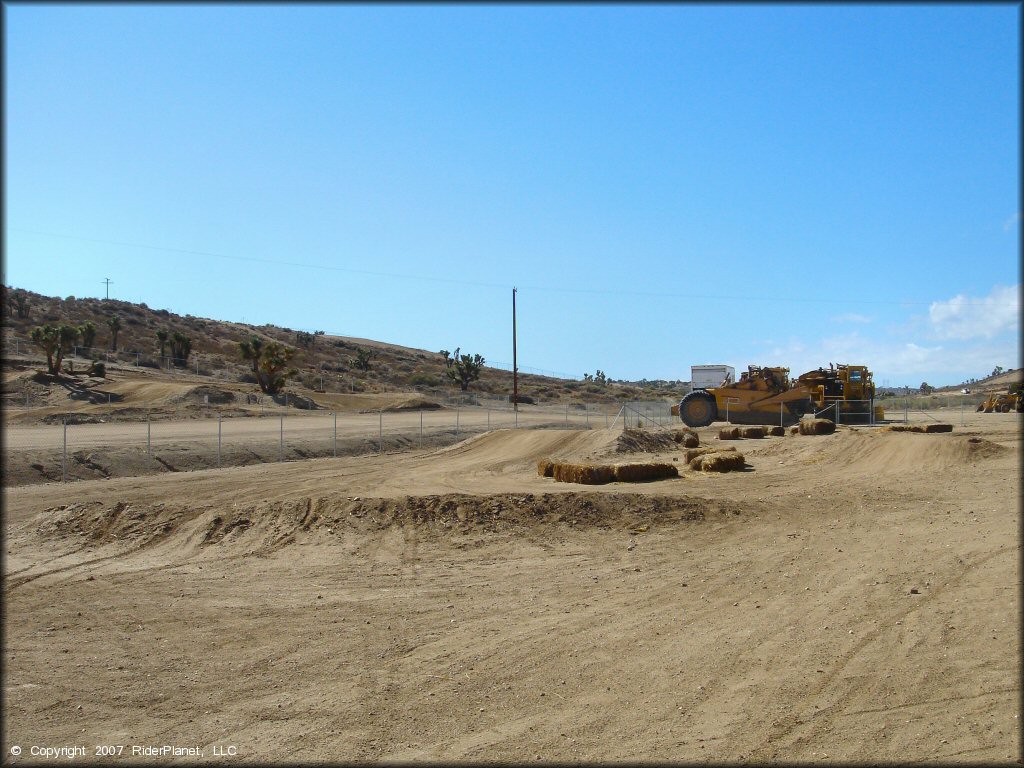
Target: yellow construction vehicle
<point>766,395</point>
<point>845,393</point>
<point>1004,402</point>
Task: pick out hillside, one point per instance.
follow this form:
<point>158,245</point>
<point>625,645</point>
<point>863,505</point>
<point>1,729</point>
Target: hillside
<point>328,364</point>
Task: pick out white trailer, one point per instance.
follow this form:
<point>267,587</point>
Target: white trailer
<point>704,376</point>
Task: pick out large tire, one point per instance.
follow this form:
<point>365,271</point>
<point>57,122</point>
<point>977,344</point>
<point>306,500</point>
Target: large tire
<point>698,409</point>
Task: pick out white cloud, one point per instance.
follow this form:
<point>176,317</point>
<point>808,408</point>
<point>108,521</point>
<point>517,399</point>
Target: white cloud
<point>851,317</point>
<point>968,318</point>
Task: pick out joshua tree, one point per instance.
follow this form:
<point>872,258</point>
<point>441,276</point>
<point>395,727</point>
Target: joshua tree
<point>181,346</point>
<point>251,351</point>
<point>21,305</point>
<point>364,357</point>
<point>304,339</point>
<point>88,332</point>
<point>56,341</point>
<point>115,325</point>
<point>162,336</point>
<point>272,369</point>
<point>464,369</point>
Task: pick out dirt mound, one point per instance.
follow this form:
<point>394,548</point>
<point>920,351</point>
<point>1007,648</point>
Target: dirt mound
<point>267,526</point>
<point>885,452</point>
<point>211,395</point>
<point>644,441</point>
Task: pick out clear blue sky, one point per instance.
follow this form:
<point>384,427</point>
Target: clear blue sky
<point>667,185</point>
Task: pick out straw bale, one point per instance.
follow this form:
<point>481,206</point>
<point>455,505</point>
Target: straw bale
<point>585,474</point>
<point>681,435</point>
<point>922,428</point>
<point>795,429</point>
<point>777,431</point>
<point>817,427</point>
<point>631,473</point>
<point>732,433</point>
<point>723,461</point>
<point>691,453</point>
<point>691,441</point>
<point>546,468</point>
<point>752,432</point>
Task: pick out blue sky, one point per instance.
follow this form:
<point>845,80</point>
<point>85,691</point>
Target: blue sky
<point>666,185</point>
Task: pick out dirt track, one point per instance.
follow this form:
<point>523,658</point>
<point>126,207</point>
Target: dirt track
<point>853,596</point>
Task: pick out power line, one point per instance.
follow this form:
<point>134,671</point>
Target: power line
<point>480,284</point>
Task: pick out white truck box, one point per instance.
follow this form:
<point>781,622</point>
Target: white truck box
<point>703,376</point>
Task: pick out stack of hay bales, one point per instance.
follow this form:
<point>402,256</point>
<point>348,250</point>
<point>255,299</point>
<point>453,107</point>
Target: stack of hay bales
<point>687,438</point>
<point>690,454</point>
<point>730,433</point>
<point>925,428</point>
<point>752,432</point>
<point>634,473</point>
<point>585,474</point>
<point>721,461</point>
<point>714,459</point>
<point>816,427</point>
<point>599,474</point>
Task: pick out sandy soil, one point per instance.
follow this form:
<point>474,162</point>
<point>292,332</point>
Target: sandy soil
<point>848,597</point>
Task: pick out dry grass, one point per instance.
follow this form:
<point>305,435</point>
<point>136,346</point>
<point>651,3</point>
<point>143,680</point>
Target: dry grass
<point>730,433</point>
<point>817,427</point>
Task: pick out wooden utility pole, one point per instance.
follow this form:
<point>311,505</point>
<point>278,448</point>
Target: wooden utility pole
<point>515,368</point>
<point>108,281</point>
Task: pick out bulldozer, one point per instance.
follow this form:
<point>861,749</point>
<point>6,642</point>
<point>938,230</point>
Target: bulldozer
<point>766,395</point>
<point>1004,402</point>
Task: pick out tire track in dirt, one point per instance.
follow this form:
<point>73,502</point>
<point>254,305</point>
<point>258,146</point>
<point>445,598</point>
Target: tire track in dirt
<point>824,716</point>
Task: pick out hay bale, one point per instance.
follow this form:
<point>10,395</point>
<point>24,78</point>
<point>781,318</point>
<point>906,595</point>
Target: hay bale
<point>546,468</point>
<point>723,461</point>
<point>732,433</point>
<point>691,441</point>
<point>752,432</point>
<point>691,453</point>
<point>920,428</point>
<point>931,428</point>
<point>632,473</point>
<point>682,435</point>
<point>584,474</point>
<point>795,429</point>
<point>817,427</point>
<point>777,431</point>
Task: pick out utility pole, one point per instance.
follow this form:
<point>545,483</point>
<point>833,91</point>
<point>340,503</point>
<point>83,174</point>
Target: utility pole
<point>108,281</point>
<point>515,368</point>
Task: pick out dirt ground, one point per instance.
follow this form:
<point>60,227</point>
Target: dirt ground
<point>847,597</point>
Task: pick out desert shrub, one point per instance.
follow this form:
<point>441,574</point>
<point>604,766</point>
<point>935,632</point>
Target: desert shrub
<point>424,380</point>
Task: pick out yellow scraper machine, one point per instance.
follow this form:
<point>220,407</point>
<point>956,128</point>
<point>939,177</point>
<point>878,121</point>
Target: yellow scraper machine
<point>763,395</point>
<point>1004,402</point>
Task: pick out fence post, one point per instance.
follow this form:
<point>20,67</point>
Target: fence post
<point>488,419</point>
<point>136,359</point>
<point>606,419</point>
<point>218,440</point>
<point>421,427</point>
<point>566,415</point>
<point>335,448</point>
<point>380,433</point>
<point>517,416</point>
<point>280,450</point>
<point>456,420</point>
<point>586,414</point>
<point>64,456</point>
<point>149,437</point>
